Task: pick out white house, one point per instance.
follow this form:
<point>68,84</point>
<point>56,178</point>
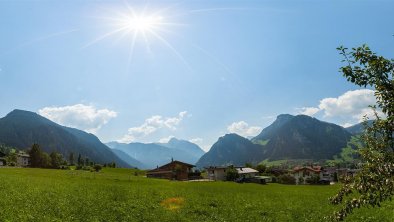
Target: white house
<point>219,173</point>
<point>22,159</point>
<point>302,174</point>
<point>216,173</point>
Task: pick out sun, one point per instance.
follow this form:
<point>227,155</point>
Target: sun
<point>140,26</point>
<point>142,23</point>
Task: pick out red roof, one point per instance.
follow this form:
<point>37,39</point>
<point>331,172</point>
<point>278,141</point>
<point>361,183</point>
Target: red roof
<point>172,162</point>
<point>316,169</point>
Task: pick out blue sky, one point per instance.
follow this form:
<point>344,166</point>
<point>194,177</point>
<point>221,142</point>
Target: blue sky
<point>206,68</point>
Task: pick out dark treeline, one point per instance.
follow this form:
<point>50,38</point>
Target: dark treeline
<point>55,160</point>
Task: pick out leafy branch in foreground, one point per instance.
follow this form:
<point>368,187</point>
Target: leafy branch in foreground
<point>374,183</point>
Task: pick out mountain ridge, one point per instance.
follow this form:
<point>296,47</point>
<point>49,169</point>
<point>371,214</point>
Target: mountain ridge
<point>21,129</point>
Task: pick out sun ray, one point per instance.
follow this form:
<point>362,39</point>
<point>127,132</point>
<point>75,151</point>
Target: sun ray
<point>106,35</point>
<point>172,49</point>
<point>31,42</point>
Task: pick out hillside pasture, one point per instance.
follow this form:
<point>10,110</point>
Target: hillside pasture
<point>119,195</point>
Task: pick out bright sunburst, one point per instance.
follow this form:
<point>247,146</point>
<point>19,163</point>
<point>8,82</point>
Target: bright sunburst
<point>139,25</point>
<point>142,23</point>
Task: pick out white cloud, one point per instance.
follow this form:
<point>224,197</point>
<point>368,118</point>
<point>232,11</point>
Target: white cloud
<point>243,129</point>
<point>84,117</point>
<point>350,107</point>
<point>352,103</point>
<point>310,111</point>
<point>166,139</point>
<point>345,125</point>
<point>151,125</point>
<point>196,140</point>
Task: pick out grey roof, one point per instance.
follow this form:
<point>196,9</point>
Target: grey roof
<point>246,170</point>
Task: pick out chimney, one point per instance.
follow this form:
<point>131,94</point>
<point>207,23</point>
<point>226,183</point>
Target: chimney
<point>172,159</point>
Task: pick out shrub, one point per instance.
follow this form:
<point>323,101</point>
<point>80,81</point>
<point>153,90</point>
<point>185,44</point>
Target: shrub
<point>231,174</point>
<point>313,179</point>
<point>286,179</point>
<point>97,167</point>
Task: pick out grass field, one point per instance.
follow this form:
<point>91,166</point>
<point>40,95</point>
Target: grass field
<point>118,195</point>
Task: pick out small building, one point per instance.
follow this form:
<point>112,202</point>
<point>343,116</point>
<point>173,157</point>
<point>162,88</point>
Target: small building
<point>246,172</point>
<point>22,159</point>
<point>2,159</point>
<point>303,174</point>
<point>216,173</point>
<point>175,170</point>
<point>219,172</point>
<point>343,172</point>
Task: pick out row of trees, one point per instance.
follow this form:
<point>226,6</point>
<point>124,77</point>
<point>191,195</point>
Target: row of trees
<point>55,160</point>
<point>40,159</point>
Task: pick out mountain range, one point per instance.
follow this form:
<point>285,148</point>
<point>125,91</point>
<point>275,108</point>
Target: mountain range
<point>288,137</point>
<point>152,155</point>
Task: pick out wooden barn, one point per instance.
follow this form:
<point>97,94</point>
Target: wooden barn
<point>175,170</point>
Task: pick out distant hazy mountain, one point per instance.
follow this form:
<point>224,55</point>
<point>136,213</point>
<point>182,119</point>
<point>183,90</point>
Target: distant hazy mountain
<point>184,145</point>
<point>154,154</point>
<point>302,137</point>
<point>128,159</point>
<point>21,129</point>
<point>231,149</point>
<point>358,128</point>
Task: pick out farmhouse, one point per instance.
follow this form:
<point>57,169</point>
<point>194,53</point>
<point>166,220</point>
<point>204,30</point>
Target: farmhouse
<point>303,174</point>
<point>22,159</point>
<point>175,170</point>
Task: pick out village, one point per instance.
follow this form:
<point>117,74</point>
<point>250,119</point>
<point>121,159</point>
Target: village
<point>181,171</point>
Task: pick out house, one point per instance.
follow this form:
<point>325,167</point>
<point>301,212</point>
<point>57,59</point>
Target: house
<point>246,172</point>
<point>219,172</point>
<point>343,172</point>
<point>303,174</point>
<point>2,159</point>
<point>175,170</point>
<point>216,173</point>
<point>22,159</point>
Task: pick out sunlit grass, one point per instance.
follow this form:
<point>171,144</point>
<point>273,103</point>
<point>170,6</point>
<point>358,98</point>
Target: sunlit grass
<point>119,195</point>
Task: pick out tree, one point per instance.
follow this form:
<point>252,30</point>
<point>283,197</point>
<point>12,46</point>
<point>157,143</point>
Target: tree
<point>71,159</point>
<point>231,173</point>
<point>35,156</point>
<point>45,160</point>
<point>80,160</point>
<point>261,168</point>
<point>287,179</point>
<point>56,160</point>
<point>374,183</point>
<point>248,165</point>
<point>97,167</point>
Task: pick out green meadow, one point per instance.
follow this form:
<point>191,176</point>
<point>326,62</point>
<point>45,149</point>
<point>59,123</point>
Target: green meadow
<point>119,195</point>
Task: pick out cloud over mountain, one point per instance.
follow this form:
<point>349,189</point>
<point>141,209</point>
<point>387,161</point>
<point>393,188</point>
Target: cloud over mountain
<point>151,125</point>
<point>85,117</point>
<point>351,106</point>
<point>242,128</point>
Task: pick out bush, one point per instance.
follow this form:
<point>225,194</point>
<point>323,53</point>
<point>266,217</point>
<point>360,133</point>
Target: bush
<point>65,167</point>
<point>286,179</point>
<point>231,174</point>
<point>313,179</point>
<point>97,167</point>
